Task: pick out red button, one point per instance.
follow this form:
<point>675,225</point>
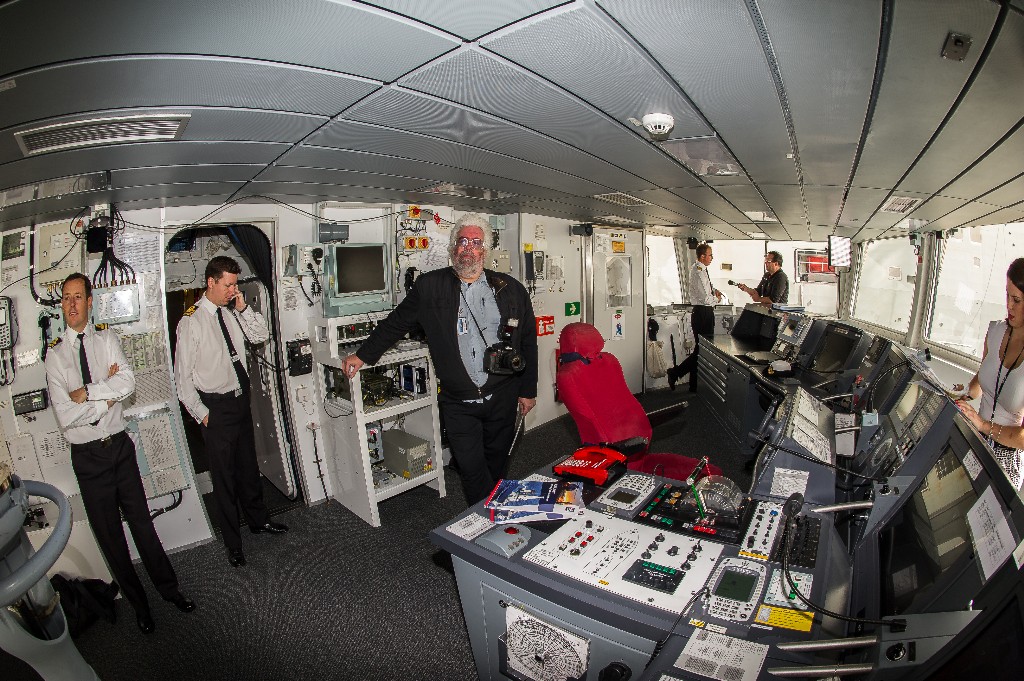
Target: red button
<point>511,530</point>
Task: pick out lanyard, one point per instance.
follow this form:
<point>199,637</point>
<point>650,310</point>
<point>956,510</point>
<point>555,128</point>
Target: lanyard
<point>999,373</point>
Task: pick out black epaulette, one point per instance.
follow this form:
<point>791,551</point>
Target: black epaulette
<point>55,342</point>
<point>190,311</point>
<point>101,327</point>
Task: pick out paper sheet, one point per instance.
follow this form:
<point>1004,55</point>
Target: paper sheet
<point>722,657</point>
<point>993,541</point>
<point>786,481</point>
<point>470,527</point>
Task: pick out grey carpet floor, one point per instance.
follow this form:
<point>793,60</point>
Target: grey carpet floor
<point>335,599</point>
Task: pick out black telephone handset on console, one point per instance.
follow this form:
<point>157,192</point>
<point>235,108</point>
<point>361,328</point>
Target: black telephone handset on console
<point>232,303</point>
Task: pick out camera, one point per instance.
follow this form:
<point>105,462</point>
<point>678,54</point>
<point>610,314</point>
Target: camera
<point>732,283</point>
<point>502,358</point>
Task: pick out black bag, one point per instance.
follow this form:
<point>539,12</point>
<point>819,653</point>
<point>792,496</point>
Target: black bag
<point>85,600</point>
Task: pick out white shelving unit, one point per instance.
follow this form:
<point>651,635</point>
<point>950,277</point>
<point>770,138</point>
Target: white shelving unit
<point>343,424</point>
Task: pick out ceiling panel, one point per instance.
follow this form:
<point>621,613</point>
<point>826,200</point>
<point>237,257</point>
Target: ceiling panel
<point>787,204</point>
<point>564,47</point>
<point>827,74</point>
<point>684,210</point>
<point>469,20</point>
<point>337,36</point>
<point>719,205</point>
<point>429,157</point>
<point>820,232</point>
<point>823,204</point>
<point>224,189</point>
<point>712,50</point>
<point>1006,195</point>
<point>986,114</point>
<point>311,192</point>
<point>348,178</point>
<point>966,213</point>
<point>935,207</point>
<point>413,112</point>
<point>918,80</point>
<point>860,201</point>
<point>1002,164</point>
<point>479,80</point>
<point>1000,217</point>
<point>134,177</point>
<point>79,161</point>
<point>179,81</point>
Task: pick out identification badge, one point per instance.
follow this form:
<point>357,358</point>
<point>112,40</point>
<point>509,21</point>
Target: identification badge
<point>462,327</point>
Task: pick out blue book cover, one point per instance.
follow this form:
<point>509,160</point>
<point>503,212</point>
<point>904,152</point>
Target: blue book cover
<point>535,495</point>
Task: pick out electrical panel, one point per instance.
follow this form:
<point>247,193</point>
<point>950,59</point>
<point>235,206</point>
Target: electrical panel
<point>405,454</point>
<point>300,357</point>
<point>116,304</point>
<point>303,260</point>
<point>58,253</point>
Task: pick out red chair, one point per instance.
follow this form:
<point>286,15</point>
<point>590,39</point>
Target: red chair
<point>591,385</point>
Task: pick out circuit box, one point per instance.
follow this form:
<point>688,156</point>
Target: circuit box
<point>405,454</point>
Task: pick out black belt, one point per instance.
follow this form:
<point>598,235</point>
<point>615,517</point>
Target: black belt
<point>102,443</point>
<point>220,397</point>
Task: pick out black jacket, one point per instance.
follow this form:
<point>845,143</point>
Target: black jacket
<point>433,303</point>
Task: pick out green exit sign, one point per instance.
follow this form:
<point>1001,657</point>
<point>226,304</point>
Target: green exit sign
<point>572,309</point>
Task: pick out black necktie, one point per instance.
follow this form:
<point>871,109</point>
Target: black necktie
<point>236,362</point>
<point>83,360</point>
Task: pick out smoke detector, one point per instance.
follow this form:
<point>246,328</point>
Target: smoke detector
<point>659,124</point>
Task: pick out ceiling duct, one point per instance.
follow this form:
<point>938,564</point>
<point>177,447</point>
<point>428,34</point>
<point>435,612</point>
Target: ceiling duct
<point>61,186</point>
<point>466,191</point>
<point>620,199</point>
<point>703,155</point>
<point>101,131</point>
<point>900,204</point>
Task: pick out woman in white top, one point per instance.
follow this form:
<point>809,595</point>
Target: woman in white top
<point>1000,382</point>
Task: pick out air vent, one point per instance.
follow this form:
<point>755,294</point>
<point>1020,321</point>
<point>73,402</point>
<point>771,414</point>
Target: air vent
<point>620,199</point>
<point>900,204</point>
<point>102,131</point>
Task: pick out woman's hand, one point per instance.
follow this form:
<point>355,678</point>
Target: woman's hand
<point>972,415</point>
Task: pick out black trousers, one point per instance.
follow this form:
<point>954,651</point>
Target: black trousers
<point>480,435</point>
<point>702,321</point>
<point>109,479</point>
<point>231,448</point>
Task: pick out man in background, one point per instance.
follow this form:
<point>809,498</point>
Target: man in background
<point>464,310</point>
<point>774,285</point>
<point>703,297</point>
<point>87,375</point>
<point>213,384</point>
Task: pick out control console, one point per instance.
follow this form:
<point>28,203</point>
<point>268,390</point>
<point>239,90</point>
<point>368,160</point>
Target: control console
<point>735,589</point>
<point>651,566</point>
<point>673,507</point>
<point>763,531</point>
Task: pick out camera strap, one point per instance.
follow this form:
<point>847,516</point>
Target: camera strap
<point>472,316</point>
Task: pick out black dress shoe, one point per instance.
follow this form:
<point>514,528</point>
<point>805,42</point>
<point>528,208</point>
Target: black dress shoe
<point>145,622</point>
<point>271,527</point>
<point>182,602</point>
<point>236,557</point>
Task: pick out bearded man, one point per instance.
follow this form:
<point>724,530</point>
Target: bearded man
<point>464,310</point>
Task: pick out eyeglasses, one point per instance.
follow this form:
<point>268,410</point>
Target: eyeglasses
<point>465,241</point>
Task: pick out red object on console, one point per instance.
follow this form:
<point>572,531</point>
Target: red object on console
<point>591,385</point>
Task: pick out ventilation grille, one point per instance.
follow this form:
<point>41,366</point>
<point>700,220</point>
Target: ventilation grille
<point>900,204</point>
<point>620,199</point>
<point>102,131</point>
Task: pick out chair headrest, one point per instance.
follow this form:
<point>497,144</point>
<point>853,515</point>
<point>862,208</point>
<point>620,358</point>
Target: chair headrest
<point>581,338</point>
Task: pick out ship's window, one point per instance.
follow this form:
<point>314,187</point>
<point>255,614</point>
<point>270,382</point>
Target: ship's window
<point>885,285</point>
<point>662,271</point>
<point>970,289</point>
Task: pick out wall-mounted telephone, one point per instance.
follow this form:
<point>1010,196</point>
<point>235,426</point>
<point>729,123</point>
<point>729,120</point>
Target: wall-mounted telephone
<point>8,324</point>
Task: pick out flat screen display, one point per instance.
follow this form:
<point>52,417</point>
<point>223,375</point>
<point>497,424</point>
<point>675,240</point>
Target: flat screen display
<point>359,268</point>
<point>835,349</point>
<point>926,537</point>
<point>839,251</point>
<point>902,409</point>
<point>738,586</point>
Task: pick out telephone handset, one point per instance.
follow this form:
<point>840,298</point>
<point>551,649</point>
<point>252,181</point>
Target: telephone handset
<point>8,324</point>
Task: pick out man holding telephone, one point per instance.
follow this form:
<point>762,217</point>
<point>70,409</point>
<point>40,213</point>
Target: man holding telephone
<point>482,337</point>
<point>213,384</point>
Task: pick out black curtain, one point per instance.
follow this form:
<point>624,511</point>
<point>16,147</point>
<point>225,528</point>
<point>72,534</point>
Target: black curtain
<point>255,245</point>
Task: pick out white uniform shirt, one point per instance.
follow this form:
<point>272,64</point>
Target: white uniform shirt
<point>64,375</point>
<point>201,358</point>
<point>701,291</point>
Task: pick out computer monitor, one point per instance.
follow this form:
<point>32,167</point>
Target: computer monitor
<point>889,377</point>
<point>839,251</point>
<point>356,279</point>
<point>836,351</point>
<point>926,538</point>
